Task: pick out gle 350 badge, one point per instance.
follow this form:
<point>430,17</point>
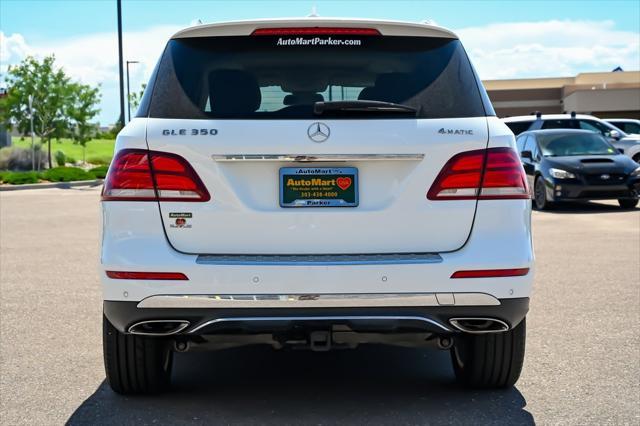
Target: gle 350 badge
<point>189,132</point>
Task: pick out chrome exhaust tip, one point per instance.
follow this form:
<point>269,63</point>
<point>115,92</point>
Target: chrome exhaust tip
<point>158,327</point>
<point>479,325</point>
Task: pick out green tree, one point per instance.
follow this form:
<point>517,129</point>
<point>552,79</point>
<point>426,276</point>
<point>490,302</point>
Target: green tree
<point>59,104</point>
<point>136,98</point>
<point>81,109</point>
<point>49,88</point>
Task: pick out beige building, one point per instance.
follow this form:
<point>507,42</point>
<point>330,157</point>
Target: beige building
<point>603,94</point>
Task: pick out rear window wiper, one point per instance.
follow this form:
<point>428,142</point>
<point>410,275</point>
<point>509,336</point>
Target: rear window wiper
<point>320,108</point>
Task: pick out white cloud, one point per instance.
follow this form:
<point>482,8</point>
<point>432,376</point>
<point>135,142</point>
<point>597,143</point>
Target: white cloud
<point>549,48</point>
<point>93,59</point>
<point>13,49</point>
<point>501,50</point>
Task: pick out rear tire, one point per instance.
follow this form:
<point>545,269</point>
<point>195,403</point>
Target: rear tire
<point>627,203</point>
<point>135,364</point>
<point>492,360</point>
<point>540,195</point>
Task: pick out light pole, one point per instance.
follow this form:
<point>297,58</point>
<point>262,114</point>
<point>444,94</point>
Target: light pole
<point>128,94</point>
<point>33,145</point>
<point>120,64</point>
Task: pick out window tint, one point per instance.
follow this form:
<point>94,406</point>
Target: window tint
<point>575,144</point>
<point>628,127</point>
<point>594,126</point>
<point>560,124</point>
<point>533,147</point>
<point>519,127</point>
<point>264,77</point>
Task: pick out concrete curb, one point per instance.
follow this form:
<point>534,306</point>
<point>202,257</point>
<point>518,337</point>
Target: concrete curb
<point>62,185</point>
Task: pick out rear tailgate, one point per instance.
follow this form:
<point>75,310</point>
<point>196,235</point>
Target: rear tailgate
<point>255,96</point>
<point>244,214</point>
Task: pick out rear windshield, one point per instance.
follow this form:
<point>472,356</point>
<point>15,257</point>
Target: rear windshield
<point>560,145</point>
<point>282,77</point>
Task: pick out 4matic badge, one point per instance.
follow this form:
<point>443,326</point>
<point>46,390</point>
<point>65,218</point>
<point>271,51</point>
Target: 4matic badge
<point>180,220</point>
<point>444,131</point>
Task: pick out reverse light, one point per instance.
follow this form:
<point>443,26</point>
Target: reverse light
<point>494,173</point>
<point>128,275</point>
<point>141,175</point>
<point>561,174</point>
<point>491,273</point>
<point>315,31</point>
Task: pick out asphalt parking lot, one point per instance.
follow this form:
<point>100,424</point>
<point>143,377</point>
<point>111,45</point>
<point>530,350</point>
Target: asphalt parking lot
<point>582,364</point>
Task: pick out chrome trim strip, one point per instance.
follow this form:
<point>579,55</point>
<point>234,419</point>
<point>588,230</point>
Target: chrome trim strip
<point>316,300</point>
<point>455,322</point>
<point>183,324</point>
<point>320,318</point>
<point>315,158</point>
<point>318,259</point>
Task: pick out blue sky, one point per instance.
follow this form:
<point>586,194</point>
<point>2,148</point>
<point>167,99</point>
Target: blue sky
<point>505,39</point>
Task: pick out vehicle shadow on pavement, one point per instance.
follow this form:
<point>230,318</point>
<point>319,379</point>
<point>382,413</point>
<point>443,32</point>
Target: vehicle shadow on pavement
<point>586,208</point>
<point>370,385</point>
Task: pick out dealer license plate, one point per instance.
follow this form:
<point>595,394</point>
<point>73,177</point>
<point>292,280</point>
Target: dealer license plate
<point>318,187</point>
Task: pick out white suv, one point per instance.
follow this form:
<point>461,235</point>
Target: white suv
<point>315,183</point>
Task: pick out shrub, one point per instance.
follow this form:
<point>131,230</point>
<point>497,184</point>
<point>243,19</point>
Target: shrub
<point>61,159</point>
<point>66,174</point>
<point>16,158</point>
<point>99,172</point>
<point>101,160</point>
<point>19,178</point>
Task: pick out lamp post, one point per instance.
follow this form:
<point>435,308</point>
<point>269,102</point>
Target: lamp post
<point>33,146</point>
<point>128,94</point>
<point>119,12</point>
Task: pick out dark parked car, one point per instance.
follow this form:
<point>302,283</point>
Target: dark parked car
<point>573,165</point>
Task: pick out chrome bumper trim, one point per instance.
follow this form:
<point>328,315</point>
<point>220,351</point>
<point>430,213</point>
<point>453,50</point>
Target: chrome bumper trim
<point>318,259</point>
<point>318,300</point>
<point>320,318</point>
<point>314,158</point>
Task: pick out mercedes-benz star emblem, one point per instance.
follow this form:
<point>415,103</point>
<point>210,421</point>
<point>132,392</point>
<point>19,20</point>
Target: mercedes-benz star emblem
<point>605,177</point>
<point>318,132</point>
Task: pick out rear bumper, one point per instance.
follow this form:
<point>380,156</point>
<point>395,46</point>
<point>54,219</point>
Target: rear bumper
<point>206,321</point>
<point>133,241</point>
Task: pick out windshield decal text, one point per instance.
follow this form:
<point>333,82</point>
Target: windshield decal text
<point>317,41</point>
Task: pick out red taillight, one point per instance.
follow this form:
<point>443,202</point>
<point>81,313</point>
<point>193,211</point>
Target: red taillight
<point>494,173</point>
<point>128,275</point>
<point>491,273</point>
<point>140,175</point>
<point>315,31</point>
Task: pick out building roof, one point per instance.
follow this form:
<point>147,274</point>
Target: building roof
<point>595,79</point>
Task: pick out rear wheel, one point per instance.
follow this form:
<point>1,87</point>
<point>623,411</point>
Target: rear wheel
<point>490,360</point>
<point>135,364</point>
<point>626,203</point>
<point>540,194</point>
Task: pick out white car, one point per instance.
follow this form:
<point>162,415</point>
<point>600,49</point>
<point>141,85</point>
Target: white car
<point>315,183</point>
<point>627,144</point>
<point>627,125</point>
